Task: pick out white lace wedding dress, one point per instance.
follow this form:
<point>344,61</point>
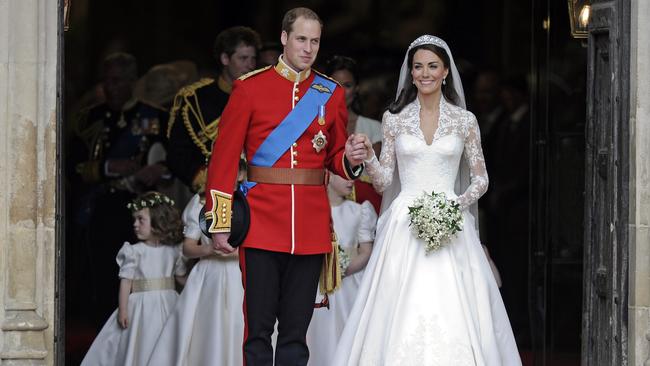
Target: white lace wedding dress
<point>442,308</point>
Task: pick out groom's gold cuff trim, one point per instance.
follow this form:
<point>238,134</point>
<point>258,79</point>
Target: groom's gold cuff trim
<point>221,212</point>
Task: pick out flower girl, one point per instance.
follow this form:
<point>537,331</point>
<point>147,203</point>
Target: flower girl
<point>147,286</point>
<point>207,325</point>
<point>354,225</point>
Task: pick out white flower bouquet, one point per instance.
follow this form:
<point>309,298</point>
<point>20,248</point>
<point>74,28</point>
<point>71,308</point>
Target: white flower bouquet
<point>436,219</point>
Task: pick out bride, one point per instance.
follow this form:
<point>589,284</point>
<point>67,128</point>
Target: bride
<point>441,308</point>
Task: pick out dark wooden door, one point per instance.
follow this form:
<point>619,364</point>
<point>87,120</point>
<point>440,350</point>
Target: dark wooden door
<point>559,92</point>
<point>579,186</point>
<point>604,323</point>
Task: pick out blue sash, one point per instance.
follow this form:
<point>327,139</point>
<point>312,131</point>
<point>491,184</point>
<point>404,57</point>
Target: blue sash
<point>292,126</point>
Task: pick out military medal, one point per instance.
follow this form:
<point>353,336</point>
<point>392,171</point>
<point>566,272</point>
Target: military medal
<point>319,141</point>
<point>321,115</point>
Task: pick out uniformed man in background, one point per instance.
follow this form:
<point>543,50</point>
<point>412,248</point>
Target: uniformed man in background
<point>195,114</point>
<point>110,162</point>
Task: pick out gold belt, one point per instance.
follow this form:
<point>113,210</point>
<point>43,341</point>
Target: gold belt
<point>312,177</point>
<point>153,284</point>
<point>219,257</point>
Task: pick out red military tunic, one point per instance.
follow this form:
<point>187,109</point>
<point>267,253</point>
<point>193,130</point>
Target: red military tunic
<point>284,218</point>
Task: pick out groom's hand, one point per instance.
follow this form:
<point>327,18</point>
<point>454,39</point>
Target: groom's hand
<point>220,243</point>
<point>355,149</point>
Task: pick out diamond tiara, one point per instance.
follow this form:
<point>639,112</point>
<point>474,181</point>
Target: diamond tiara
<point>428,39</point>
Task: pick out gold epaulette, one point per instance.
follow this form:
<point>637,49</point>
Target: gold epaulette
<point>253,73</point>
<point>190,90</point>
<point>326,77</point>
<point>185,92</point>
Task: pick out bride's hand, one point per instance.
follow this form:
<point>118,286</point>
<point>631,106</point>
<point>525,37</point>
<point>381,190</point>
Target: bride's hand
<point>370,152</point>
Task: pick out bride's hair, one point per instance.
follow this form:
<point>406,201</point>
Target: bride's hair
<point>409,92</point>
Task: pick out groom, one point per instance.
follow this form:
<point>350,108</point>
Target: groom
<point>290,122</point>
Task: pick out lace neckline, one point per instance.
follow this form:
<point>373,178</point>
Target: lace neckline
<point>414,117</point>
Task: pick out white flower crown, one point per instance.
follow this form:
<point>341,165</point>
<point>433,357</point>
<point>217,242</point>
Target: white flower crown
<point>157,199</point>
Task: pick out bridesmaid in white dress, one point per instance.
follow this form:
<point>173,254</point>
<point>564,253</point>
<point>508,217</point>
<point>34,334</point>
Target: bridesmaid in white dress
<point>207,325</point>
<point>147,286</point>
<point>354,225</point>
<point>413,308</point>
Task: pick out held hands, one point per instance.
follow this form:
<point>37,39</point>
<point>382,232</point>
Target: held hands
<point>370,150</point>
<point>356,150</point>
<point>220,243</point>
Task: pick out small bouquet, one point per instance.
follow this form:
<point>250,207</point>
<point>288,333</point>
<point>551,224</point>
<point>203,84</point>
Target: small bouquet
<point>436,219</point>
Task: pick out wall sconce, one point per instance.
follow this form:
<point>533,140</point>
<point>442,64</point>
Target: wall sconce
<point>579,14</point>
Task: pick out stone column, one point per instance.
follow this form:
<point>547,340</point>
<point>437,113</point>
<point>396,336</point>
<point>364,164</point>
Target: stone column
<point>639,294</point>
<point>28,86</point>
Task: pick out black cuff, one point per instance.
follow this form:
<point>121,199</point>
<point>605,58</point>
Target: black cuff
<point>352,172</point>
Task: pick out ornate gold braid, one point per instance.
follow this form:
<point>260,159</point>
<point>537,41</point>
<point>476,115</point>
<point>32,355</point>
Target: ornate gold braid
<point>184,95</point>
<point>190,130</point>
<point>254,72</point>
<point>173,112</point>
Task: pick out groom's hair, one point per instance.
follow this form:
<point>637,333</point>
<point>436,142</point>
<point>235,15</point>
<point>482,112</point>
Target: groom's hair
<point>295,13</point>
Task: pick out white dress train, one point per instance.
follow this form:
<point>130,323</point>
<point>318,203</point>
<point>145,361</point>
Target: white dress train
<point>418,309</point>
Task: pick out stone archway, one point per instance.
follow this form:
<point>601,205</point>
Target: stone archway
<point>638,294</point>
<point>29,67</point>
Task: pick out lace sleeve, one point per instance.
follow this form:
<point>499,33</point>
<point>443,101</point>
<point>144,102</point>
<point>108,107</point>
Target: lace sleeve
<point>381,171</point>
<point>473,154</point>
